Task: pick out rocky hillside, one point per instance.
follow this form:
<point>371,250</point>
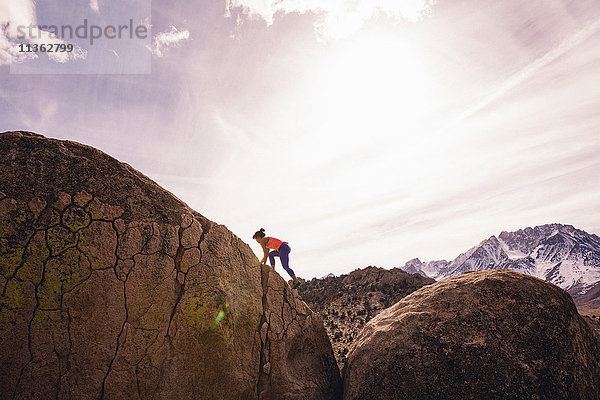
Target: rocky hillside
<point>493,334</point>
<point>560,254</point>
<point>347,302</point>
<point>112,288</point>
<point>588,305</point>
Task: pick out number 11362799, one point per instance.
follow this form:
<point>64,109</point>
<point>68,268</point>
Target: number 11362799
<point>45,48</point>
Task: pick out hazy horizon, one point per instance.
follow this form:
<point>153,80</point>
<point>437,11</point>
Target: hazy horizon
<point>363,133</point>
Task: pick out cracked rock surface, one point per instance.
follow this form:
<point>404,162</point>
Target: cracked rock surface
<point>493,334</point>
<point>112,288</point>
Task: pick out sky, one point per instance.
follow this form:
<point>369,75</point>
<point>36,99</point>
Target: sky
<point>363,132</point>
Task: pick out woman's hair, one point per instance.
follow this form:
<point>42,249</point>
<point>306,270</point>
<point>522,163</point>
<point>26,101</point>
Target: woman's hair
<point>259,234</point>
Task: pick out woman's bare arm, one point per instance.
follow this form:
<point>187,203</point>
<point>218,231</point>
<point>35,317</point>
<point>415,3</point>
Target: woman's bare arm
<point>263,243</point>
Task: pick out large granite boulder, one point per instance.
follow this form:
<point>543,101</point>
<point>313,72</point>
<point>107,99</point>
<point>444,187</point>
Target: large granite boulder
<point>492,334</point>
<point>112,288</point>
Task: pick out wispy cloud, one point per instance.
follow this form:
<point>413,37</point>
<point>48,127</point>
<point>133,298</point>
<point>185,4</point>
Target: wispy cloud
<point>165,40</point>
<point>338,19</point>
<point>21,13</point>
<point>569,43</point>
<point>9,51</point>
<point>94,5</point>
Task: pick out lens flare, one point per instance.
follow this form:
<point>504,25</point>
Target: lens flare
<point>220,316</point>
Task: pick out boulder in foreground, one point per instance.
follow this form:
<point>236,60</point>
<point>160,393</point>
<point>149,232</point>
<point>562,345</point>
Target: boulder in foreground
<point>115,289</point>
<point>493,334</point>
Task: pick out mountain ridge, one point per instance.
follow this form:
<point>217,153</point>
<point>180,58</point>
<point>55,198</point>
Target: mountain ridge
<point>557,253</point>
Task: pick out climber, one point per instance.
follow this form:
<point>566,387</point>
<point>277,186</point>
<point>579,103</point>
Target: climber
<point>279,249</point>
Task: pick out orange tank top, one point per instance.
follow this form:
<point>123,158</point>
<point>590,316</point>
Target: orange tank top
<point>274,243</point>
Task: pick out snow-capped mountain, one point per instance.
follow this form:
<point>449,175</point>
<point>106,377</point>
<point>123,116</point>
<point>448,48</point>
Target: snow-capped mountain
<point>560,254</point>
<point>429,269</point>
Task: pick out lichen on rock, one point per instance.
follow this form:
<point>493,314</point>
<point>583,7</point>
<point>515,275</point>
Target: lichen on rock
<point>112,288</point>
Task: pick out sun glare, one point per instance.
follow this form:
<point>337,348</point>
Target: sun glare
<point>366,102</point>
<point>373,84</point>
